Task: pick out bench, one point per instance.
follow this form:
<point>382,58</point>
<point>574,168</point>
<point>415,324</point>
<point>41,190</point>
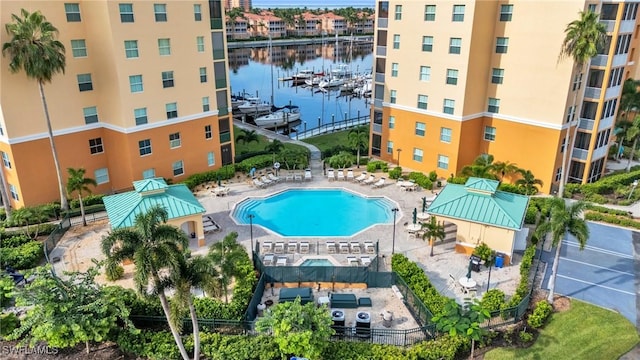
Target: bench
<point>343,301</point>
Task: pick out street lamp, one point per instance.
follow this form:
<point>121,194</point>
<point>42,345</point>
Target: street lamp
<point>490,260</point>
<point>251,216</point>
<point>399,150</point>
<point>393,243</point>
<point>634,186</point>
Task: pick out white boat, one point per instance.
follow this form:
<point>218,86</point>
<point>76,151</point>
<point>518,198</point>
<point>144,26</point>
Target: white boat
<point>331,82</point>
<point>314,81</point>
<point>280,117</point>
<point>303,74</point>
<point>254,105</point>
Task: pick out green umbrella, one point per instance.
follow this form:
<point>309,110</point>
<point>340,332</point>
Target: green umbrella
<point>219,180</point>
<point>424,204</point>
<point>469,271</point>
<point>415,215</point>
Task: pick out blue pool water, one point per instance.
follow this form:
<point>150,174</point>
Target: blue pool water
<point>316,262</point>
<point>315,212</point>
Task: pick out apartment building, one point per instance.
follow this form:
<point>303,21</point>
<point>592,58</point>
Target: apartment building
<point>333,24</point>
<point>457,79</point>
<point>145,94</point>
<point>265,25</point>
<point>244,4</point>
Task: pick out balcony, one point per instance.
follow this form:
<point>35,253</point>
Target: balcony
<point>377,103</point>
<point>599,153</point>
<point>612,92</point>
<point>592,93</point>
<point>379,77</point>
<point>381,50</point>
<point>619,60</point>
<point>599,60</point>
<point>377,128</point>
<point>383,23</point>
<point>606,123</point>
<point>626,26</point>
<point>580,154</point>
<point>586,124</point>
<point>609,24</point>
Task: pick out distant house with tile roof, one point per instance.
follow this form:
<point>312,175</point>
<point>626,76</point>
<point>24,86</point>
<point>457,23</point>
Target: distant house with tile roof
<point>482,213</point>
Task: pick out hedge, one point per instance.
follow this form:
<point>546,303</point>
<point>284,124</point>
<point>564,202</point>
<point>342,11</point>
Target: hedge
<point>525,270</point>
<point>421,179</point>
<point>224,173</point>
<point>606,210</point>
<point>612,219</point>
<point>419,283</point>
<point>87,201</point>
<point>25,256</point>
<point>618,183</point>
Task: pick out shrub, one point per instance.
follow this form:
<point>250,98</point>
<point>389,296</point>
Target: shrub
<point>224,173</point>
<point>22,257</point>
<point>7,285</point>
<point>8,323</point>
<point>395,173</point>
<point>512,188</point>
<point>523,285</point>
<point>483,251</point>
<point>419,283</point>
<point>493,300</point>
<point>87,201</point>
<point>421,179</point>
<point>540,314</point>
<point>14,240</point>
<point>92,209</point>
<point>461,180</point>
<point>341,160</point>
<point>372,166</point>
<point>433,176</point>
<point>526,337</point>
<point>114,273</point>
<point>606,210</point>
<point>258,162</point>
<point>612,219</point>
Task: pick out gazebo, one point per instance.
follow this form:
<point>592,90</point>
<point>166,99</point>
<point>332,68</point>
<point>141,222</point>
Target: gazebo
<point>482,213</point>
<point>184,210</point>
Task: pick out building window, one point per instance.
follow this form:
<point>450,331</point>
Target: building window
<point>427,43</point>
<point>506,11</point>
<point>160,11</point>
<point>417,154</point>
<point>90,115</point>
<point>425,73</point>
<point>164,47</point>
<point>398,12</point>
<point>396,41</point>
<point>392,122</point>
<point>197,12</point>
<point>126,13</point>
<point>95,146</point>
<point>429,13</point>
<point>167,79</point>
<point>101,176</point>
<point>73,12</point>
<point>172,110</point>
<point>592,7</point>
<point>203,74</point>
<point>211,158</point>
<point>389,147</point>
<point>200,43</point>
<point>449,106</point>
<point>394,70</point>
<point>452,76</point>
<point>577,82</point>
<point>497,76</point>
<point>174,140</point>
<point>144,146</point>
<point>458,13</point>
<point>135,83</point>
<point>445,135</point>
<point>84,82</point>
<point>421,128</point>
<point>443,162</point>
<point>131,49</point>
<point>149,173</point>
<point>455,44</point>
<point>140,115</point>
<point>558,174</point>
<point>630,11</point>
<point>79,48</point>
<point>393,94</point>
<point>571,113</point>
<point>5,160</point>
<point>14,193</point>
<point>490,133</point>
<point>494,105</point>
<point>205,103</point>
<point>178,168</point>
<point>422,101</point>
<point>502,43</point>
<point>208,134</point>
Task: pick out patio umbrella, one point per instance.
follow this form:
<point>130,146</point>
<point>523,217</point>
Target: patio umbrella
<point>469,270</point>
<point>415,215</point>
<point>424,204</point>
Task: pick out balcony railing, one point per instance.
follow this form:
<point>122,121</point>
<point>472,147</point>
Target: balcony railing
<point>586,124</point>
<point>580,154</point>
<point>599,60</point>
<point>379,77</point>
<point>381,50</point>
<point>382,23</point>
<point>592,92</point>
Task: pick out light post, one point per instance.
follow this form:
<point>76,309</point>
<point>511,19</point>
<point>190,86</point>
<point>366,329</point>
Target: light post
<point>399,151</point>
<point>490,261</point>
<point>251,216</point>
<point>634,186</point>
<point>393,243</point>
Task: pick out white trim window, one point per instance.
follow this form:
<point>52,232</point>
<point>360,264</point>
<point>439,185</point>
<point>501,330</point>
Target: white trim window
<point>211,158</point>
<point>445,135</point>
<point>178,168</point>
<point>443,162</point>
<point>5,160</point>
<point>135,84</point>
<point>449,106</point>
<point>164,47</point>
<point>14,192</point>
<point>389,147</point>
<point>425,73</point>
<point>417,154</point>
<point>101,176</point>
<point>174,140</point>
<point>490,133</point>
<point>149,173</point>
<point>421,128</point>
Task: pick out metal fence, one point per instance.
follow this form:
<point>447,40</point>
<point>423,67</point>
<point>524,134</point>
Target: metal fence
<point>331,126</point>
<point>55,236</point>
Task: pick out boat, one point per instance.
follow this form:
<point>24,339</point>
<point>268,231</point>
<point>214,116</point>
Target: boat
<point>314,81</point>
<point>254,105</point>
<point>237,100</point>
<point>280,116</point>
<point>331,82</point>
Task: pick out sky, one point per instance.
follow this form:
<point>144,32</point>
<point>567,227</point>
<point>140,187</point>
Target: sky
<point>312,4</point>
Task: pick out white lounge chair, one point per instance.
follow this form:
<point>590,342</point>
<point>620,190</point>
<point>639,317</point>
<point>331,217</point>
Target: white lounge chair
<point>273,177</point>
<point>292,247</point>
<point>304,247</point>
<point>379,183</point>
<point>344,248</point>
<point>266,181</point>
<point>355,247</point>
<point>282,261</point>
<point>268,259</point>
<point>297,177</point>
<point>258,183</point>
<point>361,177</point>
<point>279,248</point>
<point>340,175</point>
<point>307,174</point>
<point>369,247</point>
<point>350,175</point>
<point>352,261</point>
<point>370,180</point>
<point>267,246</point>
<point>365,260</point>
<point>331,247</point>
<point>331,175</point>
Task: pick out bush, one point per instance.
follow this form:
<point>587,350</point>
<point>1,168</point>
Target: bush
<point>7,285</point>
<point>395,173</point>
<point>14,240</point>
<point>523,287</point>
<point>87,201</point>
<point>92,209</point>
<point>483,251</point>
<point>512,188</point>
<point>25,256</point>
<point>433,176</point>
<point>540,314</point>
<point>421,179</point>
<point>606,210</point>
<point>612,219</point>
<point>114,273</point>
<point>224,173</point>
<point>341,160</point>
<point>493,300</point>
<point>419,283</point>
<point>526,337</point>
<point>460,180</point>
<point>8,323</point>
<point>372,166</point>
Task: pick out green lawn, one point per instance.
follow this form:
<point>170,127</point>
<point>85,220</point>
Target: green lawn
<point>584,332</point>
<point>242,148</point>
<point>327,141</point>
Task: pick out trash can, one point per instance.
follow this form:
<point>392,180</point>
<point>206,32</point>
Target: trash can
<point>475,263</point>
<point>499,261</point>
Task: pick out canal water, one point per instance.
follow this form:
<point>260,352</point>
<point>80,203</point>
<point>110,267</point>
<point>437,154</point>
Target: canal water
<point>250,72</point>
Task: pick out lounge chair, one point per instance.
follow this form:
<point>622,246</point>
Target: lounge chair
<point>340,175</point>
<point>331,247</point>
<point>365,260</point>
<point>350,175</point>
<point>369,247</point>
<point>258,183</point>
<point>355,247</point>
<point>379,183</point>
<point>288,177</point>
<point>344,248</point>
<point>267,246</point>
<point>282,261</point>
<point>265,180</point>
<point>304,247</point>
<point>352,261</point>
<point>331,175</point>
<point>292,247</point>
<point>370,180</point>
<point>273,178</point>
<point>268,259</point>
<point>307,174</point>
<point>279,248</point>
<point>361,177</point>
<point>297,177</point>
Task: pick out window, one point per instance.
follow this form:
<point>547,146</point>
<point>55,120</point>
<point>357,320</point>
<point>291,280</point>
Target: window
<point>389,147</point>
<point>14,192</point>
<point>174,140</point>
<point>497,76</point>
<point>164,47</point>
<point>615,78</point>
<point>421,128</point>
<point>90,115</point>
<point>494,105</point>
<point>394,70</point>
<point>140,115</point>
<point>167,79</point>
<point>571,113</point>
<point>427,43</point>
<point>622,45</point>
<point>396,41</point>
<point>95,146</point>
<point>398,12</point>
<point>203,74</point>
<point>392,96</point>
<point>489,133</point>
<point>458,13</point>
<point>445,135</point>
<point>502,43</point>
<point>454,45</point>
<point>452,76</point>
<point>73,12</point>
<point>207,132</point>
<point>101,176</point>
<point>422,101</point>
<point>5,160</point>
<point>131,49</point>
<point>172,110</point>
<point>211,158</point>
<point>149,173</point>
<point>84,82</point>
<point>577,82</point>
<point>609,108</point>
<point>449,106</point>
<point>178,168</point>
<point>144,146</point>
<point>429,13</point>
<point>160,11</point>
<point>417,154</point>
<point>558,174</point>
<point>425,73</point>
<point>630,10</point>
<point>200,43</point>
<point>392,122</point>
<point>506,11</point>
<point>205,103</point>
<point>197,12</point>
<point>78,48</point>
<point>135,83</point>
<point>126,13</point>
<point>443,162</point>
<point>592,7</point>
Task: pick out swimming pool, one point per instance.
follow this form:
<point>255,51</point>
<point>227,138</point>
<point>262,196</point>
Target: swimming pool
<point>316,262</point>
<point>315,212</point>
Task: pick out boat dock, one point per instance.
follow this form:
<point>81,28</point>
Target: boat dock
<point>303,41</point>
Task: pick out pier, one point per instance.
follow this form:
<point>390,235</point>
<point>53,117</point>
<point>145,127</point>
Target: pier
<point>298,41</point>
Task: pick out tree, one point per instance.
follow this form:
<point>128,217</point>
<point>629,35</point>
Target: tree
<point>224,256</point>
<point>463,321</point>
<point>482,167</point>
<point>156,249</point>
<point>78,183</point>
<point>504,168</point>
<point>358,138</point>
<point>301,330</point>
<point>433,231</point>
<point>247,136</point>
<point>33,48</point>
<point>583,38</point>
<point>274,146</point>
<point>528,182</point>
<point>564,218</point>
<point>24,216</point>
<point>632,134</point>
<point>6,202</point>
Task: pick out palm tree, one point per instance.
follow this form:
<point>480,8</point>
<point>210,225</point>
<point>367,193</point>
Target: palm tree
<point>4,196</point>
<point>482,167</point>
<point>583,38</point>
<point>247,136</point>
<point>629,101</point>
<point>78,183</point>
<point>224,255</point>
<point>632,134</point>
<point>433,231</point>
<point>33,48</point>
<point>528,182</point>
<point>563,218</point>
<point>504,168</point>
<point>274,146</point>
<point>359,139</point>
<point>156,249</point>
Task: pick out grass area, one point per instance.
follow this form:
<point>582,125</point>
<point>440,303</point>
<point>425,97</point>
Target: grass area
<point>584,332</point>
<point>242,148</point>
<point>327,141</point>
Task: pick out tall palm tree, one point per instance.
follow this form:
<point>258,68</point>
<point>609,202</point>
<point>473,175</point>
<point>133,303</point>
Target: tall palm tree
<point>247,136</point>
<point>583,38</point>
<point>224,255</point>
<point>6,203</point>
<point>274,146</point>
<point>33,48</point>
<point>482,167</point>
<point>632,134</point>
<point>78,183</point>
<point>564,218</point>
<point>358,138</point>
<point>629,102</point>
<point>433,231</point>
<point>156,249</point>
<point>528,182</point>
<point>504,169</point>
